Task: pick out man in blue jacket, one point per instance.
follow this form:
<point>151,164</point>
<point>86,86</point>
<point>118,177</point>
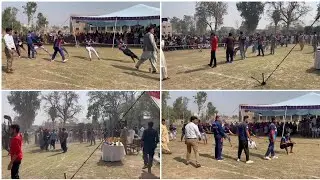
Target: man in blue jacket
<point>219,134</point>
<point>30,39</point>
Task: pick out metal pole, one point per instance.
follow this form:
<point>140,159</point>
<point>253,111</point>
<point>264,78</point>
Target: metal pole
<point>114,32</point>
<point>285,116</point>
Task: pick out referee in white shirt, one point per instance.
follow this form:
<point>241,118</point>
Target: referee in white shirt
<point>192,134</point>
<point>9,49</point>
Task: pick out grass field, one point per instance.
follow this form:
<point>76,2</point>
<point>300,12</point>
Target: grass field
<point>53,164</point>
<point>303,163</point>
<point>113,71</point>
<point>188,69</point>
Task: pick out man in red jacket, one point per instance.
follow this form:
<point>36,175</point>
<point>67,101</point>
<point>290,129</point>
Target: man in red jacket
<point>214,47</point>
<point>15,151</point>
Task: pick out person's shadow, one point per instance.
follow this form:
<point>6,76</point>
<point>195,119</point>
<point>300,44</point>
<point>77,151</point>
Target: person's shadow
<point>146,175</point>
<point>184,161</point>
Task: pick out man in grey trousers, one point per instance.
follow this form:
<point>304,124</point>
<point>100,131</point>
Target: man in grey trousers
<point>150,50</point>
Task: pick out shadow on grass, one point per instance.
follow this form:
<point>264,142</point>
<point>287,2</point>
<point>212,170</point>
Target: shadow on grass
<point>142,76</point>
<point>56,154</point>
<point>4,68</point>
<point>206,156</point>
<point>116,60</point>
<point>109,164</point>
<point>126,68</point>
<point>261,156</point>
<point>146,175</point>
<point>81,57</point>
<point>313,70</point>
<point>184,161</point>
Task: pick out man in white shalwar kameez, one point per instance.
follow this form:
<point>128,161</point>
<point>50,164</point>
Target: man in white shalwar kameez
<point>163,63</point>
<point>150,50</point>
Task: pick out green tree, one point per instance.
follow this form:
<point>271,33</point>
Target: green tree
<point>175,23</point>
<point>25,104</point>
<point>9,19</point>
<point>276,18</point>
<point>251,12</point>
<point>200,98</point>
<point>180,107</point>
<point>42,21</point>
<point>164,104</point>
<point>211,10</point>
<point>30,9</point>
<point>211,110</point>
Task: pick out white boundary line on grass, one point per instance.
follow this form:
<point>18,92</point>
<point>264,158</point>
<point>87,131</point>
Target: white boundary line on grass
<point>43,80</point>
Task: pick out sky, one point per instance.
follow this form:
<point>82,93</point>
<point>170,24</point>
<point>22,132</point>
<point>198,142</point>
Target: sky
<point>169,9</point>
<point>58,13</point>
<point>227,102</point>
<point>7,109</point>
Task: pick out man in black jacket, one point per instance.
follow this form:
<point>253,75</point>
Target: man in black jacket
<point>149,140</point>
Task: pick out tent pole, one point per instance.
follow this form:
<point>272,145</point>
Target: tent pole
<point>114,32</point>
<point>285,116</point>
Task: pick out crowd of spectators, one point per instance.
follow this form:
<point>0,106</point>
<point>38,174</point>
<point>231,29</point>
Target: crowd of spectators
<point>307,127</point>
<point>181,42</point>
<point>133,37</point>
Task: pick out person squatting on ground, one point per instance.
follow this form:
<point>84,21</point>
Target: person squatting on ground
<point>149,140</point>
<point>286,142</point>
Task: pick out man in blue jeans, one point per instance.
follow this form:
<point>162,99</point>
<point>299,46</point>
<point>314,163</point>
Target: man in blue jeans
<point>219,134</point>
<point>272,139</point>
<point>30,39</point>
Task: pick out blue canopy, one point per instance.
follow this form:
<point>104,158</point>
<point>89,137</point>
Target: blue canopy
<point>136,15</point>
<point>303,105</point>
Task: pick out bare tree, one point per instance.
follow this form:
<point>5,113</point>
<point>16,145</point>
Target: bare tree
<point>291,12</point>
<point>65,103</point>
<point>205,11</point>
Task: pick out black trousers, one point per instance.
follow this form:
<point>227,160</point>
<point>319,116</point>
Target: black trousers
<point>148,154</point>
<point>213,58</point>
<point>64,146</point>
<point>128,52</point>
<point>15,170</point>
<point>243,145</point>
<point>18,49</point>
<point>260,48</point>
<point>229,54</point>
<point>53,144</point>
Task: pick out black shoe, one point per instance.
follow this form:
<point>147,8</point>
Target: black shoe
<point>145,167</point>
<point>210,65</point>
<point>214,66</point>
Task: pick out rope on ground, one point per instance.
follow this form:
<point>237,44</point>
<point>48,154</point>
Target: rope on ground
<point>103,141</point>
<point>265,81</point>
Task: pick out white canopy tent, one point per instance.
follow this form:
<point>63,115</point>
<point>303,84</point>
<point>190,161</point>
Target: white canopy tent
<point>308,104</point>
<point>136,15</point>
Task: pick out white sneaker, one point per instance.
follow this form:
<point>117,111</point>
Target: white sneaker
<point>65,60</point>
<point>249,162</point>
<point>275,157</point>
<point>220,160</point>
<point>238,160</point>
<point>267,158</point>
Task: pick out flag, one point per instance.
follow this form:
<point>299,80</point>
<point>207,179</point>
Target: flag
<point>155,96</point>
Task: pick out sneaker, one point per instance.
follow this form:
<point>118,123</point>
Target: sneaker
<point>238,160</point>
<point>198,165</point>
<point>275,157</point>
<point>187,163</point>
<point>65,60</point>
<point>220,160</point>
<point>267,158</point>
<point>249,162</point>
<point>145,167</point>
